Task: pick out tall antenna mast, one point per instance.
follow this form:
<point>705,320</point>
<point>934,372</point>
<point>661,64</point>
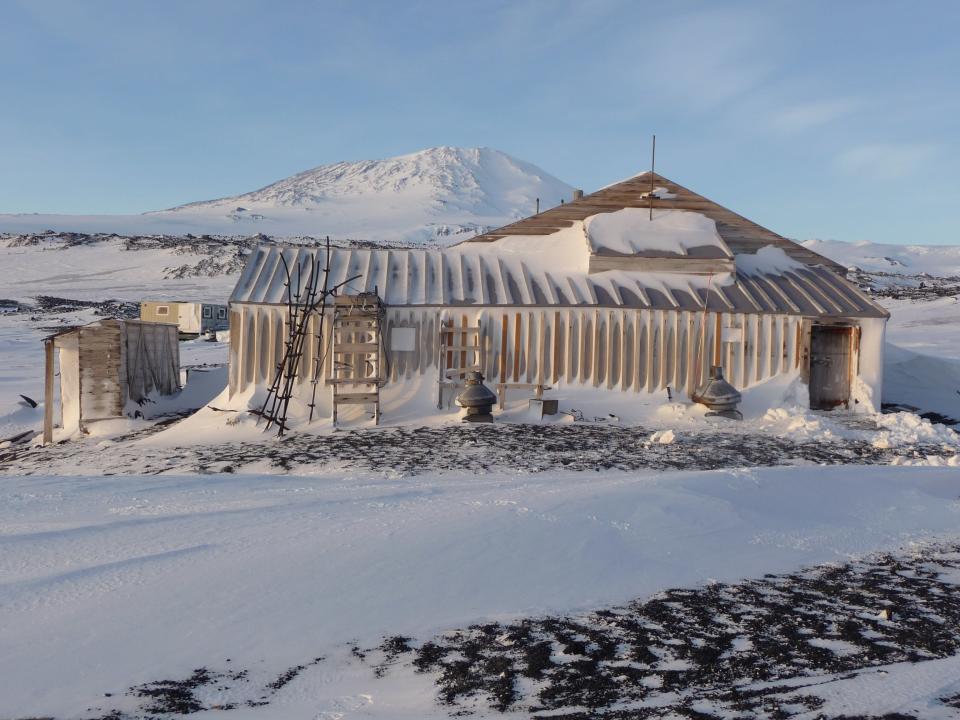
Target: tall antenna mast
<point>653,160</point>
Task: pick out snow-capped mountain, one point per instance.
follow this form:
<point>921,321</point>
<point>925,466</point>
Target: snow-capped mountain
<point>436,195</point>
<point>936,260</point>
<point>481,181</point>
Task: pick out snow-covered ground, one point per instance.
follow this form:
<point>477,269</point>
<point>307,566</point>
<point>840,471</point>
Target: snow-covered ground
<point>929,327</point>
<point>113,582</point>
<point>120,268</point>
<point>922,362</point>
<point>208,565</point>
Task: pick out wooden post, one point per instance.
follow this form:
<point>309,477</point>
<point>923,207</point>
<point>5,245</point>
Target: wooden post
<point>649,351</point>
<point>638,356</point>
<point>586,347</point>
<point>653,162</point>
<point>530,346</point>
<point>854,365</point>
<point>758,351</point>
<point>449,341</point>
<point>693,376</point>
<point>557,349</point>
<point>608,352</point>
<point>718,338</point>
<point>505,321</point>
<point>483,343</point>
<point>675,370</point>
<point>517,337</point>
<point>625,354</point>
<point>541,347</point>
<point>799,344</point>
<point>463,342</point>
<point>747,349</point>
<point>441,365</point>
<point>595,366</point>
<point>48,393</point>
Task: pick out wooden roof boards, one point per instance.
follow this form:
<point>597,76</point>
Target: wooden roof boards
<point>525,273</point>
<point>737,232</point>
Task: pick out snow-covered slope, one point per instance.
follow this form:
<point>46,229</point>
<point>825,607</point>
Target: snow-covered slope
<point>439,195</point>
<point>936,260</point>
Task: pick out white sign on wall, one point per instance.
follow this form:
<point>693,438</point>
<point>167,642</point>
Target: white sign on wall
<point>731,334</point>
<point>403,339</point>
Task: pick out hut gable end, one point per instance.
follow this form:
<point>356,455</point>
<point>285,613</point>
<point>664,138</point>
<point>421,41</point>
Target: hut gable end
<point>739,234</point>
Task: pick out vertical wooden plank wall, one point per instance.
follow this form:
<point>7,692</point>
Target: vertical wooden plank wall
<point>236,357</point>
<point>100,372</point>
<point>629,349</point>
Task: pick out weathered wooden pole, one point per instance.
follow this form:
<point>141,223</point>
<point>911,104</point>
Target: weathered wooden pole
<point>653,161</point>
<point>48,392</point>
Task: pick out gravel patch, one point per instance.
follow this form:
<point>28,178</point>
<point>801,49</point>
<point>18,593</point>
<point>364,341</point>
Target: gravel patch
<point>503,447</point>
<point>760,648</point>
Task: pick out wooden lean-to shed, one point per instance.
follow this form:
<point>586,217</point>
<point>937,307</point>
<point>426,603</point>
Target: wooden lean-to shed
<point>106,365</point>
<point>622,290</point>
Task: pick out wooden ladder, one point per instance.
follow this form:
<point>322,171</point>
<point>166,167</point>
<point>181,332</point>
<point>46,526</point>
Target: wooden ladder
<point>356,374</point>
<point>460,352</point>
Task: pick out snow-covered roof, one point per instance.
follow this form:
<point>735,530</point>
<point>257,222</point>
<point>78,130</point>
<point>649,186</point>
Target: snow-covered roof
<point>472,278</point>
<point>738,234</point>
<point>668,233</point>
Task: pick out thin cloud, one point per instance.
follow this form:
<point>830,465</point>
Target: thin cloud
<point>710,58</point>
<point>807,116</point>
<point>885,161</point>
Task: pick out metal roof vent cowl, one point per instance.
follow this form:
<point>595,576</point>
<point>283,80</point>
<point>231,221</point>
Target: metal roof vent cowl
<point>477,399</point>
<point>718,395</point>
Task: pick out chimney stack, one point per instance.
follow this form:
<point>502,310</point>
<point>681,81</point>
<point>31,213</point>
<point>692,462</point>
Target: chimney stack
<point>577,194</point>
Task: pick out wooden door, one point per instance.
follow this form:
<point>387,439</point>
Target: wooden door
<point>829,366</point>
<point>101,371</point>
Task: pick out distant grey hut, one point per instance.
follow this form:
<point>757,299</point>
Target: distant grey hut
<point>106,365</point>
<point>623,314</point>
<point>193,318</point>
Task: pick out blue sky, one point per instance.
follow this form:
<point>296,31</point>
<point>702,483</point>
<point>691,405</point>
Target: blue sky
<point>818,119</point>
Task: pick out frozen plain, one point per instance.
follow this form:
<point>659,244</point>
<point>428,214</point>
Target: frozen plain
<point>109,583</point>
<point>112,582</point>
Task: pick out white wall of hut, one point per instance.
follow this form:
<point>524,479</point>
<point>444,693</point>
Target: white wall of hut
<point>612,348</point>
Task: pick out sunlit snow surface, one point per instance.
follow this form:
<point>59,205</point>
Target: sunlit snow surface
<point>111,582</point>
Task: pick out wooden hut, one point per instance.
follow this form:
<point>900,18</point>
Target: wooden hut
<point>622,289</point>
<point>192,318</point>
<point>105,366</point>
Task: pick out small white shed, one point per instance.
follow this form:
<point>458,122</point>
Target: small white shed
<point>106,365</point>
<point>193,318</point>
